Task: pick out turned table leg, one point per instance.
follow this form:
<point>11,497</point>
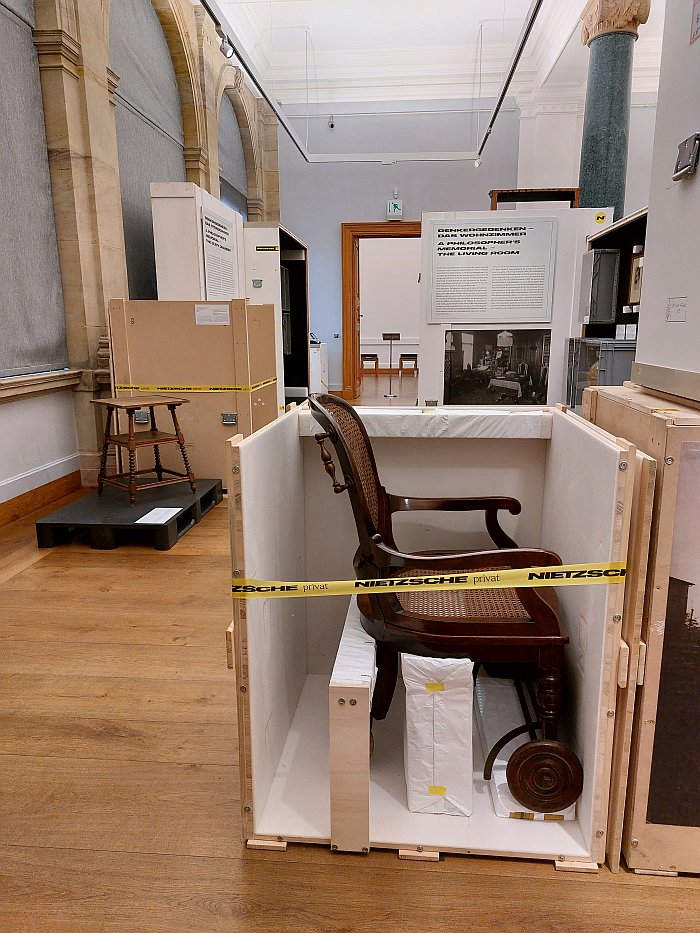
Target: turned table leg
<point>132,460</point>
<point>105,450</point>
<point>156,449</point>
<point>181,443</point>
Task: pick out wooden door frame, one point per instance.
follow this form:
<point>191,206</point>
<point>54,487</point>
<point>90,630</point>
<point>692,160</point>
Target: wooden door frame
<point>351,234</point>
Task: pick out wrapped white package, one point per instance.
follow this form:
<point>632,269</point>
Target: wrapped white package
<point>438,734</point>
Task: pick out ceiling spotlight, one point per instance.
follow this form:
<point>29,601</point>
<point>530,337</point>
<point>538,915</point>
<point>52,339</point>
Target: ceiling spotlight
<point>226,47</point>
<point>477,162</point>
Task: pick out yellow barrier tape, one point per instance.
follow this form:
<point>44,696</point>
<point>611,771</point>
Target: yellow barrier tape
<point>182,388</point>
<point>565,575</point>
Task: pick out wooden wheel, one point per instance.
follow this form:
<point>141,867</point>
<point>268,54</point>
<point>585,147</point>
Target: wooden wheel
<point>544,775</point>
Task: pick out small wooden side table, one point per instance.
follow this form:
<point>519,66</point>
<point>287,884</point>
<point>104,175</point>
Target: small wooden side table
<point>134,439</point>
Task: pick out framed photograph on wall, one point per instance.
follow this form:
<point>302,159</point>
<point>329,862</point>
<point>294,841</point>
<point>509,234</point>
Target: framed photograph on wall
<point>496,367</point>
<point>635,295</point>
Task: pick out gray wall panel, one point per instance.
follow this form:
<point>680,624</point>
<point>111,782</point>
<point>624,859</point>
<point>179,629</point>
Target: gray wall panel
<point>149,129</point>
<point>234,190</point>
<point>32,322</point>
<point>22,8</point>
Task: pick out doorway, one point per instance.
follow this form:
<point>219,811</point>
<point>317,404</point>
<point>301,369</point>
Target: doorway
<point>351,234</point>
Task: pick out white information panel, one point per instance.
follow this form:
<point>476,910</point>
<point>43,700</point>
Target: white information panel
<point>492,271</point>
<point>220,272</point>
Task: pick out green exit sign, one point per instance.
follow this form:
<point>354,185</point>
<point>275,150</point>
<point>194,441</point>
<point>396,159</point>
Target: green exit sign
<point>394,209</point>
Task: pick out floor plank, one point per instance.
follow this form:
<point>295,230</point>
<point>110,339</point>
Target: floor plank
<point>117,805</point>
<point>176,662</point>
<point>128,698</point>
<point>55,736</point>
<point>69,889</point>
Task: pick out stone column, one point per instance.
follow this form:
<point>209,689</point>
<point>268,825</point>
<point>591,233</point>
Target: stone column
<point>610,31</point>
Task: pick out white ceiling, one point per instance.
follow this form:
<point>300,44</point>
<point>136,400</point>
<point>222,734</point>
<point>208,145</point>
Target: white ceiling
<point>355,50</point>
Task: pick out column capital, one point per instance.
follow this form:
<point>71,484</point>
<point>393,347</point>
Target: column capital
<point>57,49</point>
<point>601,17</point>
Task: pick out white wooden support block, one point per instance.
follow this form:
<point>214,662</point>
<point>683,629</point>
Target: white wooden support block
<point>577,865</point>
<point>270,845</point>
<point>349,720</point>
<point>649,871</point>
<point>419,855</point>
<point>349,703</point>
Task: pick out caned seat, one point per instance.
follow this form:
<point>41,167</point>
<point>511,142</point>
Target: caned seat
<point>511,631</point>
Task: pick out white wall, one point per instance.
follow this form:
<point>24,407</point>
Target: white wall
<point>39,442</point>
<point>389,295</point>
<point>550,145</point>
<point>671,267</point>
<point>315,199</point>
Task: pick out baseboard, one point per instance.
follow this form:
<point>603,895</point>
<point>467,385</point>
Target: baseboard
<point>37,498</point>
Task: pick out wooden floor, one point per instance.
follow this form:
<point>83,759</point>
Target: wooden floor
<point>373,389</point>
<point>119,784</point>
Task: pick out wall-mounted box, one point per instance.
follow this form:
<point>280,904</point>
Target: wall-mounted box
<point>305,781</point>
<point>199,349</point>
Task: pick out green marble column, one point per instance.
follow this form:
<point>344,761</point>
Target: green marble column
<point>606,122</point>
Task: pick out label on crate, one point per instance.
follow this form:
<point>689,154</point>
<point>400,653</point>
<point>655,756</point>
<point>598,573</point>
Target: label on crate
<point>557,575</point>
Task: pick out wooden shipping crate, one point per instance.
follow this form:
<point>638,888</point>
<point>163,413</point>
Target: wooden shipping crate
<point>662,819</point>
<point>300,783</point>
<point>177,343</point>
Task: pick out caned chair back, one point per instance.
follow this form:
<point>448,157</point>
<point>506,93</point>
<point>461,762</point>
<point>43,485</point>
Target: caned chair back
<point>356,459</point>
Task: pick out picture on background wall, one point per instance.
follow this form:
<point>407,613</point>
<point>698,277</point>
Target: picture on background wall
<point>496,367</point>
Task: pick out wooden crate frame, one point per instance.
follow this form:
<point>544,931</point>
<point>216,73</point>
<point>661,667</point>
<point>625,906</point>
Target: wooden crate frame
<point>250,560</point>
<point>658,425</point>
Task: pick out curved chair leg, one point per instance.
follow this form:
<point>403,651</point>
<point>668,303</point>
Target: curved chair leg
<point>387,672</point>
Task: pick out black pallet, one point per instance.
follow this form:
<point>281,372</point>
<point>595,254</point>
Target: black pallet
<point>109,520</point>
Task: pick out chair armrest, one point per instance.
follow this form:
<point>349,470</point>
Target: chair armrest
<point>488,504</point>
<point>471,504</point>
<point>517,558</point>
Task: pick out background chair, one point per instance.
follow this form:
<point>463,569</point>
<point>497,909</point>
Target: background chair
<point>511,632</point>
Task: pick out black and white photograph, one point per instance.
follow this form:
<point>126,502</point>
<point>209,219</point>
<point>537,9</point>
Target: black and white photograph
<point>674,797</point>
<point>490,367</point>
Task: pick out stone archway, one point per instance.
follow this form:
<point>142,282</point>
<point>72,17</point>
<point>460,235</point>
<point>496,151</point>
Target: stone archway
<point>177,21</point>
<point>245,107</point>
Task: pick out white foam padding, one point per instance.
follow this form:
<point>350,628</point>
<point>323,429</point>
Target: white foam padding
<point>357,651</point>
<point>438,734</point>
<point>454,421</point>
<point>497,710</point>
